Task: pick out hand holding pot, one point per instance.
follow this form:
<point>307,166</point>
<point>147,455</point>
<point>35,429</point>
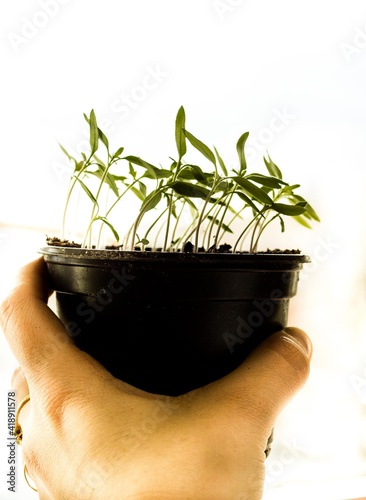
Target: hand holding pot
<point>86,434</point>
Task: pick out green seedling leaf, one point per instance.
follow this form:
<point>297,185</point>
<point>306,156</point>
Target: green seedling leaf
<point>201,147</point>
<point>119,178</point>
<point>101,135</point>
<point>192,207</point>
<point>221,162</point>
<point>301,219</point>
<point>142,163</point>
<point>143,241</point>
<point>99,161</point>
<point>174,211</point>
<point>197,173</point>
<point>118,153</point>
<point>150,201</point>
<point>87,190</point>
<point>240,150</point>
<point>173,166</point>
<point>106,221</point>
<point>265,180</point>
<point>71,158</point>
<point>142,188</point>
<point>290,189</point>
<point>103,138</point>
<point>188,174</point>
<point>223,186</point>
<point>138,193</point>
<point>131,170</point>
<point>190,190</point>
<point>272,167</point>
<point>302,204</point>
<point>311,212</point>
<point>94,134</point>
<point>257,193</point>
<point>160,173</point>
<point>284,209</point>
<point>248,201</point>
<point>225,227</point>
<point>79,165</point>
<point>180,139</point>
<point>108,179</point>
<point>309,209</point>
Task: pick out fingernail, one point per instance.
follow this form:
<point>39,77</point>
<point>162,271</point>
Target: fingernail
<point>299,339</point>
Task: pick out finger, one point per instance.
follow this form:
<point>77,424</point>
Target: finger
<point>264,383</point>
<point>40,341</point>
<point>19,384</point>
<point>20,387</point>
<point>34,333</point>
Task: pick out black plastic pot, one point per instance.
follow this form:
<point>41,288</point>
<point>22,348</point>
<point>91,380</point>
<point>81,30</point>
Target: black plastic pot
<point>171,322</point>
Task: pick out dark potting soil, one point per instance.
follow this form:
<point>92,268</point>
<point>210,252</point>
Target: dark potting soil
<point>56,242</point>
<point>188,248</point>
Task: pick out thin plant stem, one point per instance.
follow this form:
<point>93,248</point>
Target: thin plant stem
<point>263,226</point>
<point>179,167</point>
<point>116,201</point>
<point>101,184</point>
<point>177,222</point>
<point>202,214</point>
<point>245,230</point>
<point>72,183</point>
<point>187,233</point>
<point>259,222</point>
<point>141,215</point>
<point>210,227</point>
<point>155,222</point>
<point>237,214</point>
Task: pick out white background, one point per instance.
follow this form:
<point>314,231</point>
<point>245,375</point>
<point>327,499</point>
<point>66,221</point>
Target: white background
<point>293,74</point>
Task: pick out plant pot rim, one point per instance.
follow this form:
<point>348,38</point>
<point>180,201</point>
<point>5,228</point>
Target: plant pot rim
<point>242,259</point>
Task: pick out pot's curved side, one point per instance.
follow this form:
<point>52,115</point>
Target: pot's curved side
<point>173,325</point>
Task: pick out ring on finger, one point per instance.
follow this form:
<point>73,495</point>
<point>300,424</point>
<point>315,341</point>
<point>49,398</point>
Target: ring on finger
<point>26,478</point>
<point>18,432</point>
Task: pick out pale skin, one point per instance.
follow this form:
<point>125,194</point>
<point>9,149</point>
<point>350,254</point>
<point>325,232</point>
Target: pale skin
<point>87,435</point>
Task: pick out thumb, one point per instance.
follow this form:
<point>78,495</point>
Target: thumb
<point>267,380</point>
<point>278,369</point>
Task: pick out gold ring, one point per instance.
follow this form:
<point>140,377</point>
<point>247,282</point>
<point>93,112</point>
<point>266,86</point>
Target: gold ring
<point>26,478</point>
<point>18,432</point>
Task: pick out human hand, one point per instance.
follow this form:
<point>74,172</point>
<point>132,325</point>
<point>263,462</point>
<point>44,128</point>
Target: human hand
<point>87,435</point>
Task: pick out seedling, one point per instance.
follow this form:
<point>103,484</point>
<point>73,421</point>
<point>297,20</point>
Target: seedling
<point>195,206</point>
